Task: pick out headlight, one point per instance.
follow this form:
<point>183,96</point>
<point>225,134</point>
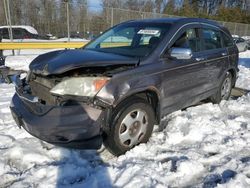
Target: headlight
<point>81,86</point>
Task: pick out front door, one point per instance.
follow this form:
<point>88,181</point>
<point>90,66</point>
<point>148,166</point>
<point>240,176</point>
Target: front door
<point>184,81</point>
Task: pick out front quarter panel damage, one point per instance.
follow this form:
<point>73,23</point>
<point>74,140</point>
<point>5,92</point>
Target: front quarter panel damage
<point>129,83</point>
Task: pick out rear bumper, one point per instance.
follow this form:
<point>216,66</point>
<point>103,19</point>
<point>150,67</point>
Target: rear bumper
<point>77,126</point>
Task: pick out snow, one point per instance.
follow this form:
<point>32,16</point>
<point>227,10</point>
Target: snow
<point>246,37</point>
<point>27,28</point>
<point>20,62</point>
<point>203,146</point>
<point>244,76</point>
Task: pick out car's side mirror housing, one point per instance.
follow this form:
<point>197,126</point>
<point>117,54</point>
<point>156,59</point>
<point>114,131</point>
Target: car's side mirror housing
<point>181,53</point>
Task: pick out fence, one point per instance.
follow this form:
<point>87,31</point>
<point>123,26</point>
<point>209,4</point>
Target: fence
<point>50,17</point>
<point>237,28</point>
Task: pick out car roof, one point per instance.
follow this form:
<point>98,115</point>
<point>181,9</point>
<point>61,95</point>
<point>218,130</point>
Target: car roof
<point>180,21</point>
<point>174,20</point>
<point>26,27</point>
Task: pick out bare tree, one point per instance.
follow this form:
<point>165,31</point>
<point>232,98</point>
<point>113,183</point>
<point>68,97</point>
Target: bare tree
<point>2,16</point>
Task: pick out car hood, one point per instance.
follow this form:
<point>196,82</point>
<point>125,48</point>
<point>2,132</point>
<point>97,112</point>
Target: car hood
<point>62,61</point>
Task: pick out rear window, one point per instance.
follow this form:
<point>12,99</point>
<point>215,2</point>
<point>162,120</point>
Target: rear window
<point>212,39</point>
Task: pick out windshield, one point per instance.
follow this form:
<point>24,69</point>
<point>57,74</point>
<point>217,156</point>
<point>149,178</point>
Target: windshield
<point>130,39</point>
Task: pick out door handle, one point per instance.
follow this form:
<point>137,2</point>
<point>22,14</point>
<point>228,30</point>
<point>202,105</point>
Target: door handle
<point>200,59</point>
<point>224,53</point>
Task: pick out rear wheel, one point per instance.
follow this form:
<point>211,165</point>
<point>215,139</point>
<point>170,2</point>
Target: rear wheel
<point>224,90</point>
<point>132,124</point>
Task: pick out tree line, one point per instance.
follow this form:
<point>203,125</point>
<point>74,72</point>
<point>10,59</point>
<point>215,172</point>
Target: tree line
<point>222,10</point>
<point>47,16</point>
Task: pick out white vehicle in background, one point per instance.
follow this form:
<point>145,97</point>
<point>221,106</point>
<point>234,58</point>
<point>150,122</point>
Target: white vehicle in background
<point>235,36</point>
<point>21,32</point>
<point>246,37</point>
<point>241,44</point>
<point>51,37</point>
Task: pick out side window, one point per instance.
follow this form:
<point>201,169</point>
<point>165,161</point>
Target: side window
<point>17,33</point>
<point>5,33</point>
<point>189,39</point>
<point>241,40</point>
<point>212,39</point>
<point>227,40</point>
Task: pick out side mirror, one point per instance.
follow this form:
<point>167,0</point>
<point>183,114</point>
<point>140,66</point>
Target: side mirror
<point>181,53</point>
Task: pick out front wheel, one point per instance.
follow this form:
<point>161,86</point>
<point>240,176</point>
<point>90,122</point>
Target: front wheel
<point>132,124</point>
<point>224,90</point>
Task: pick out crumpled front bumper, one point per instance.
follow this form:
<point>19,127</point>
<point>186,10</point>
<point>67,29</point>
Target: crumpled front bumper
<point>77,126</point>
<point>6,73</point>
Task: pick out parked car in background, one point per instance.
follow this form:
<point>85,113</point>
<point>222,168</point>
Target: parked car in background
<point>21,32</point>
<point>116,90</point>
<point>246,37</point>
<point>73,35</point>
<point>50,36</point>
<point>241,44</point>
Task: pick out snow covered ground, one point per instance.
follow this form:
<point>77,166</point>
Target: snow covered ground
<point>203,146</point>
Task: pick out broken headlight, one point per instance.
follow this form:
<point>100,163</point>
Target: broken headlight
<point>81,86</point>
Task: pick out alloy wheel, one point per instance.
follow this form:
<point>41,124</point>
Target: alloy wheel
<point>226,88</point>
<point>133,127</point>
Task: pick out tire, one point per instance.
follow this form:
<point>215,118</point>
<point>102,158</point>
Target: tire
<point>224,90</point>
<point>132,124</point>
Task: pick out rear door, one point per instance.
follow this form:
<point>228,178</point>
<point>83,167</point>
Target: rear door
<point>232,49</point>
<point>215,56</point>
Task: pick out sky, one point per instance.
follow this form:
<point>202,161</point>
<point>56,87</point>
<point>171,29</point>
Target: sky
<point>94,4</point>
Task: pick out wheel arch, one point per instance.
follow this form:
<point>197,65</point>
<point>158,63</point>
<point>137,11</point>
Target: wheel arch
<point>151,95</point>
<point>234,75</point>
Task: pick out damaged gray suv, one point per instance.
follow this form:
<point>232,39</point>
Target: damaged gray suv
<point>116,88</point>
